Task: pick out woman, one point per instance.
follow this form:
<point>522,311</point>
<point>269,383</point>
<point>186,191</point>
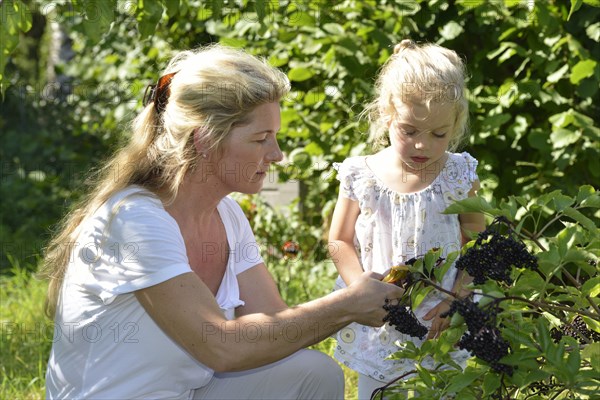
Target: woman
<point>156,284</point>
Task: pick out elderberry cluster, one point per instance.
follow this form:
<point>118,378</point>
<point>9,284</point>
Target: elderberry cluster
<point>475,317</point>
<point>482,338</point>
<point>488,345</point>
<point>403,319</point>
<point>493,255</point>
<point>577,329</point>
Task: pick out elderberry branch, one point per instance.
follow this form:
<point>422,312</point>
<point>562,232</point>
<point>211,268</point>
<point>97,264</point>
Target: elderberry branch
<point>546,306</point>
<point>382,389</point>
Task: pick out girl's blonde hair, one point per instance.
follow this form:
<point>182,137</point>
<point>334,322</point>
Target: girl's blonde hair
<point>214,89</point>
<point>418,73</point>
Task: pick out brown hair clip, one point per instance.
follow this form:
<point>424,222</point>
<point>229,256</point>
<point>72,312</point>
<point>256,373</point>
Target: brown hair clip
<point>159,93</point>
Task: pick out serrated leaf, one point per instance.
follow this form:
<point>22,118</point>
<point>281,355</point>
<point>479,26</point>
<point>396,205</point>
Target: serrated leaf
<point>573,363</point>
<point>543,334</point>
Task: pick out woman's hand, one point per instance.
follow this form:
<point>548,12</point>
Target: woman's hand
<point>369,295</point>
<point>438,324</point>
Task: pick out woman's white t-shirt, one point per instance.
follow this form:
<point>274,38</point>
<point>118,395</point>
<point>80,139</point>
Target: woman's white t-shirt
<point>105,345</point>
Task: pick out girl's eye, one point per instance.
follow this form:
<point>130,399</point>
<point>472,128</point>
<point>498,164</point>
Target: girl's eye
<point>439,134</point>
<point>407,132</point>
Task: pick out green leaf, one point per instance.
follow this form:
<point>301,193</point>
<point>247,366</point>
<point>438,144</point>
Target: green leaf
<point>451,30</point>
<point>561,202</point>
<point>555,353</point>
<point>300,159</point>
<point>300,74</point>
<point>573,362</point>
<point>582,219</point>
<point>99,14</point>
<point>462,381</point>
<point>172,7</point>
<point>581,70</point>
<point>260,7</point>
<point>419,296</point>
<point>575,5</point>
<point>543,334</point>
<point>563,119</point>
<point>592,201</point>
<point>591,287</point>
<point>149,16</point>
<point>217,8</point>
<point>558,74</point>
<point>469,205</point>
<point>563,137</point>
<point>425,376</point>
<point>334,29</point>
<point>592,352</point>
<point>593,31</point>
<point>585,191</point>
<point>565,239</point>
<point>491,382</point>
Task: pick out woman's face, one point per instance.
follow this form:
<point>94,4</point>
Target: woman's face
<point>249,151</point>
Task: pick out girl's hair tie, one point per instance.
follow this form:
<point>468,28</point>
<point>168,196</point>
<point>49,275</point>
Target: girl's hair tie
<point>159,93</point>
<point>404,44</point>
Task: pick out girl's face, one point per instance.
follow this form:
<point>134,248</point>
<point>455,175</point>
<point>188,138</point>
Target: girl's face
<point>420,135</point>
<point>249,151</point>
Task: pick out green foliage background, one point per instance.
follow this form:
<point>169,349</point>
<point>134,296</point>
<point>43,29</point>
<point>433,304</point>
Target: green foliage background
<point>533,89</point>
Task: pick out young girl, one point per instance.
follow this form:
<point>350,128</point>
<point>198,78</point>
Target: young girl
<point>390,204</point>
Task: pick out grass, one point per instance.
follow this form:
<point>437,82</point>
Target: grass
<point>26,337</point>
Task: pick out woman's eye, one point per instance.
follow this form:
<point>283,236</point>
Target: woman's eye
<point>261,140</point>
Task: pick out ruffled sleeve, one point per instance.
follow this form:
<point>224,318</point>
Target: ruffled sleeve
<point>347,175</point>
<point>470,169</point>
<point>458,176</point>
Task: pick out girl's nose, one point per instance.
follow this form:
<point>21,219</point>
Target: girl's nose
<point>419,144</point>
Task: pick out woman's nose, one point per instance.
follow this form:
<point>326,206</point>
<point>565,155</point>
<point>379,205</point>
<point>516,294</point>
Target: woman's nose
<point>275,154</point>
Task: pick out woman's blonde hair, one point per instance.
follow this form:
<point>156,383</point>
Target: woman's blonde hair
<point>214,89</point>
<point>423,73</point>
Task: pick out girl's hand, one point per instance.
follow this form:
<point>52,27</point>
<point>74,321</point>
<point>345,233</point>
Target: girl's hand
<point>438,324</point>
